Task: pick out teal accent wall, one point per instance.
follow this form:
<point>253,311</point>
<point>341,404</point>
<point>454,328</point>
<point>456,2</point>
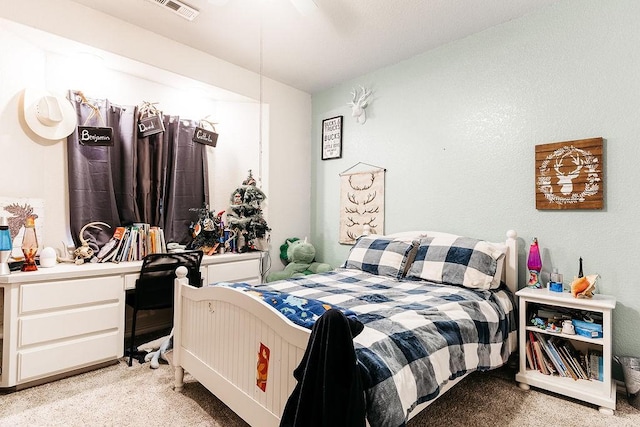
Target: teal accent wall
<point>456,129</point>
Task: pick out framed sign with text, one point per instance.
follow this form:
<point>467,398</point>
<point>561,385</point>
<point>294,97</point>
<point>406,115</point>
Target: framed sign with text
<point>332,138</point>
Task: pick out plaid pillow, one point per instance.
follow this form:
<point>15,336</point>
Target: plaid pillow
<point>457,260</point>
<point>380,255</point>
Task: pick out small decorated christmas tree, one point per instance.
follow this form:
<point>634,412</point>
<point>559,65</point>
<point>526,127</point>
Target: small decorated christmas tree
<point>244,217</point>
<point>206,232</point>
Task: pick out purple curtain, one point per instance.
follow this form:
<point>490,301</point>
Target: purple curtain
<point>98,174</point>
<point>188,186</point>
<point>154,179</point>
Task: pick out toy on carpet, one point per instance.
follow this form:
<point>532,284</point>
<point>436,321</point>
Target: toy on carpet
<point>165,344</point>
<point>300,256</point>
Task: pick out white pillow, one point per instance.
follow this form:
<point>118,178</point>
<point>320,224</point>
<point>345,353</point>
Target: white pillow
<point>502,247</point>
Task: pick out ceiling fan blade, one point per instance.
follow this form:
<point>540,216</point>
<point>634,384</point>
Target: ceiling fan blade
<point>305,7</point>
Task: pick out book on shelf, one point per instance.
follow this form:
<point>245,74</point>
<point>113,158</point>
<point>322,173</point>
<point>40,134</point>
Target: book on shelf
<point>142,247</point>
<point>585,364</point>
<point>573,356</point>
<point>541,362</point>
<point>124,247</point>
<point>117,256</point>
<point>558,348</point>
<point>133,243</point>
<point>531,361</point>
<point>544,365</point>
<point>152,243</point>
<point>575,370</point>
<point>595,364</point>
<point>163,242</point>
<point>110,248</point>
<point>552,355</point>
<point>155,241</point>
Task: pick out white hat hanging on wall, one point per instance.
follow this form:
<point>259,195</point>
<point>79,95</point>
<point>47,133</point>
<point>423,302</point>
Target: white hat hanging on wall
<point>47,115</point>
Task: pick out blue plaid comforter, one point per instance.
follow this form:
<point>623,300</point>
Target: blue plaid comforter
<point>417,335</point>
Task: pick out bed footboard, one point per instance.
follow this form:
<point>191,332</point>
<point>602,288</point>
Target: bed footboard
<point>218,337</point>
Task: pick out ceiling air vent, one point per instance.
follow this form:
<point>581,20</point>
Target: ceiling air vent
<point>176,6</point>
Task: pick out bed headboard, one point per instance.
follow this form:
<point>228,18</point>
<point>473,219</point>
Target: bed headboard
<point>511,261</point>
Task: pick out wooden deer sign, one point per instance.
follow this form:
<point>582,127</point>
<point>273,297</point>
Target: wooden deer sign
<point>359,103</point>
<point>569,175</point>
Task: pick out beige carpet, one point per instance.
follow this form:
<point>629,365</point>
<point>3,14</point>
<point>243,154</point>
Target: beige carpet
<point>119,395</point>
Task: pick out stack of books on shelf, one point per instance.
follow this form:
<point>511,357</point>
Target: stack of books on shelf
<point>553,355</point>
<point>133,243</point>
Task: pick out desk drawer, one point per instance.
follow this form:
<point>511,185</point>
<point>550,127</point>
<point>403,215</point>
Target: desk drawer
<point>130,281</point>
<point>54,359</point>
<point>68,293</point>
<point>59,325</point>
<point>239,271</point>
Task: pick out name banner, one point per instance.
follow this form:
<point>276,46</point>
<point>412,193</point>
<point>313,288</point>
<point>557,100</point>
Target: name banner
<point>95,136</point>
<point>204,136</point>
<point>151,125</point>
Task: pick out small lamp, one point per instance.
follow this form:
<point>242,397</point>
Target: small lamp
<point>534,263</point>
<point>5,246</point>
<point>29,245</point>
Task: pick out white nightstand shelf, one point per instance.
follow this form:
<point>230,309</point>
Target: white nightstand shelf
<point>601,393</point>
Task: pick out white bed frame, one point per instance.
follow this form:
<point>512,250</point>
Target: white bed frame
<point>217,336</point>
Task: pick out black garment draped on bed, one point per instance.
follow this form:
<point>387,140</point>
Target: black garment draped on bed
<point>329,392</point>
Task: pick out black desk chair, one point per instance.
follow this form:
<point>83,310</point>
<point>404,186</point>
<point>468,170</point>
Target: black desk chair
<point>155,286</point>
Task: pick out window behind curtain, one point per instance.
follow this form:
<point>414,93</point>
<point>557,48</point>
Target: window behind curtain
<point>155,179</point>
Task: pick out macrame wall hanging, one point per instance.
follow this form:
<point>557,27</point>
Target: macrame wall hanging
<point>361,202</point>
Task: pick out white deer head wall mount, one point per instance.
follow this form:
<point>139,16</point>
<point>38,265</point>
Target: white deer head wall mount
<point>359,101</point>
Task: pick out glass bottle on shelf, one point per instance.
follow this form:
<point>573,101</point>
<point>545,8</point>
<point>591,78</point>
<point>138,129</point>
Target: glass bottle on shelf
<point>5,246</point>
<point>29,245</point>
<point>534,263</point>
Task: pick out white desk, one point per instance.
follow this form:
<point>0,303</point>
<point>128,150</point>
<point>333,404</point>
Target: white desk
<point>68,317</point>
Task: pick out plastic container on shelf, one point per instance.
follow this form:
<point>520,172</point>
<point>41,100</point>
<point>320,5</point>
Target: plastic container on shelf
<point>587,329</point>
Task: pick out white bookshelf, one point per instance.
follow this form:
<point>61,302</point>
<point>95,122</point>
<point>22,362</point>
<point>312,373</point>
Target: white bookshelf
<point>600,393</point>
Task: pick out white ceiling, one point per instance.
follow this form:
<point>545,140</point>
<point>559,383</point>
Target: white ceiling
<point>338,41</point>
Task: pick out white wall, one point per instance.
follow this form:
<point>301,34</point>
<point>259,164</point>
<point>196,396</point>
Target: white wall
<point>456,129</point>
<point>174,75</point>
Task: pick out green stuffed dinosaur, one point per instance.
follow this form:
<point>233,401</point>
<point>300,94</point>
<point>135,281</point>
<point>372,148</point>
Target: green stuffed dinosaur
<point>300,255</point>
